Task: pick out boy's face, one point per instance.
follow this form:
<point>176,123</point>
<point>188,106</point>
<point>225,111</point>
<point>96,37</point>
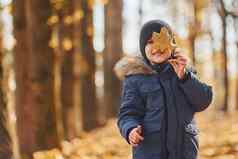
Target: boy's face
<point>155,55</point>
<point>159,47</point>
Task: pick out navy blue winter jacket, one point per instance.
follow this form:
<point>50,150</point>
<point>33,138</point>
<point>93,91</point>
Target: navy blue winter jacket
<point>153,100</point>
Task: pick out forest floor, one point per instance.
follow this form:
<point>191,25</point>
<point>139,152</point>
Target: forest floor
<point>218,140</point>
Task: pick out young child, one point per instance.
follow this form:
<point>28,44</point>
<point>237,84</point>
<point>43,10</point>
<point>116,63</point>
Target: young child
<point>160,97</point>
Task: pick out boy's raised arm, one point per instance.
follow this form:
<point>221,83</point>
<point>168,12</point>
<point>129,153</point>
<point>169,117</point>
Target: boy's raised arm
<point>198,93</point>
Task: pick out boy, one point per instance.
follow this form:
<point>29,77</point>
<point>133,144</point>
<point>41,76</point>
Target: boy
<point>160,97</point>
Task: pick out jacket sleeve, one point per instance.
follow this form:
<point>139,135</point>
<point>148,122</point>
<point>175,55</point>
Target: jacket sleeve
<point>198,93</point>
<point>131,109</point>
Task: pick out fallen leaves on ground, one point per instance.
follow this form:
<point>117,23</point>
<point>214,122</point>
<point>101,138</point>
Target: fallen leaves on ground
<point>218,140</point>
<point>218,135</point>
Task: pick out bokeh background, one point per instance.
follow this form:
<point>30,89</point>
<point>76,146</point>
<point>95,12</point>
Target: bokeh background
<point>59,95</point>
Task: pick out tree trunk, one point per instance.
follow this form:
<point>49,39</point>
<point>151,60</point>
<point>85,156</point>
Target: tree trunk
<point>140,11</point>
<point>36,118</point>
<point>86,64</point>
<point>67,72</point>
<point>112,53</point>
<point>224,50</point>
<point>237,81</point>
<point>5,141</point>
<point>21,65</point>
<point>194,29</point>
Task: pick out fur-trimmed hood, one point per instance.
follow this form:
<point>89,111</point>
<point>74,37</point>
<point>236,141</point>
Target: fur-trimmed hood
<point>129,65</point>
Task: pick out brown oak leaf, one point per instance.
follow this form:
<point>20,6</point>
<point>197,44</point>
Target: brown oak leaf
<point>162,40</point>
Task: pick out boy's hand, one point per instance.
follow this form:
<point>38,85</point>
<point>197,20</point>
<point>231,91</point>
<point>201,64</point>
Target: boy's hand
<point>179,63</point>
<point>135,136</point>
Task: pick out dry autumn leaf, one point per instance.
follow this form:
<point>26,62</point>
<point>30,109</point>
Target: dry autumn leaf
<point>162,40</point>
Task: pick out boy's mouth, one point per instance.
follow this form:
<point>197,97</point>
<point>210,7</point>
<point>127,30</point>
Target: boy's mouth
<point>156,56</point>
<point>158,53</point>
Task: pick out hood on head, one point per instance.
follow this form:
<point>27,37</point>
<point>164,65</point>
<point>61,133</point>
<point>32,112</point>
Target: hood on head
<point>146,32</point>
<point>129,65</point>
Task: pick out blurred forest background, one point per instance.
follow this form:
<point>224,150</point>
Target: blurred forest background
<point>59,95</point>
